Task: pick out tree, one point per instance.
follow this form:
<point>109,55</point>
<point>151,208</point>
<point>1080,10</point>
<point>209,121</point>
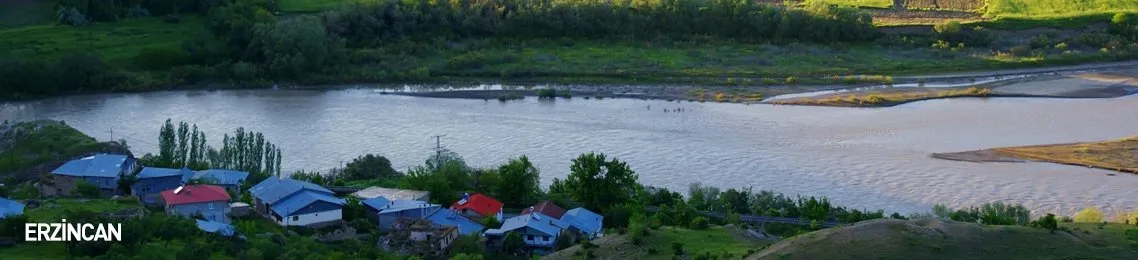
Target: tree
<point>599,183</point>
<point>87,190</point>
<point>369,167</point>
<point>445,182</point>
<point>166,145</point>
<point>1047,222</point>
<point>471,245</point>
<point>491,222</point>
<point>182,149</point>
<point>467,257</point>
<point>487,181</point>
<point>513,244</point>
<point>1089,215</point>
<point>519,182</point>
<point>297,46</point>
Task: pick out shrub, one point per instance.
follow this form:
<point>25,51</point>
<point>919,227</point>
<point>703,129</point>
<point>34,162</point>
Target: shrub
<point>1062,46</point>
<point>954,32</point>
<point>1020,50</point>
<point>1089,215</point>
<point>87,190</point>
<point>698,223</point>
<point>677,248</point>
<point>491,222</point>
<point>791,81</point>
<point>546,93</point>
<point>1125,25</point>
<point>1047,222</point>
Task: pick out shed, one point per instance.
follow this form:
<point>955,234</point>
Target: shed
<point>392,194</point>
<point>10,208</point>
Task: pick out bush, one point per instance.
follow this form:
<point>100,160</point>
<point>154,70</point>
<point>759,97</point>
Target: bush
<point>954,32</point>
<point>491,222</point>
<point>1047,222</point>
<point>1089,215</point>
<point>698,223</point>
<point>677,248</point>
<point>87,190</point>
<point>546,93</point>
<point>998,213</point>
<point>1125,25</point>
<point>1020,50</point>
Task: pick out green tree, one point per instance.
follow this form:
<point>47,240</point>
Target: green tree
<point>1047,222</point>
<point>467,257</point>
<point>182,150</point>
<point>166,144</point>
<point>87,190</point>
<point>445,182</point>
<point>513,243</point>
<point>599,183</point>
<point>369,167</point>
<point>487,182</point>
<point>471,245</point>
<point>297,46</point>
<point>519,182</point>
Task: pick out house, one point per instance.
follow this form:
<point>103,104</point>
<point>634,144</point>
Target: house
<point>584,222</point>
<point>547,208</point>
<point>392,194</point>
<point>229,179</point>
<point>478,206</point>
<point>296,203</point>
<point>447,217</point>
<point>385,212</point>
<point>419,237</point>
<point>216,227</point>
<point>10,208</point>
<point>153,180</point>
<point>102,170</point>
<point>209,201</point>
<point>538,231</point>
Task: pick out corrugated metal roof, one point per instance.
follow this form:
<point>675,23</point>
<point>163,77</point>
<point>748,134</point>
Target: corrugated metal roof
<point>298,201</point>
<point>448,217</point>
<point>585,220</point>
<point>274,189</point>
<point>485,205</point>
<point>195,194</point>
<point>223,177</point>
<point>10,208</point>
<point>376,203</point>
<point>536,221</point>
<point>100,165</point>
<point>216,227</point>
<point>391,194</point>
<point>156,172</point>
<point>401,205</point>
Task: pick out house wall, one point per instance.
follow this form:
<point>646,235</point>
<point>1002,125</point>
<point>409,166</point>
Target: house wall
<point>63,185</point>
<point>149,189</point>
<point>539,239</point>
<point>388,218</point>
<point>212,211</point>
<point>312,218</point>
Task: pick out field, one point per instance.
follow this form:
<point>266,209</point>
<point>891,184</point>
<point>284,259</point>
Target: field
<point>312,6</point>
<point>117,42</point>
<point>657,244</point>
<point>859,3</point>
<point>1119,155</point>
<point>1053,9</point>
<point>51,210</point>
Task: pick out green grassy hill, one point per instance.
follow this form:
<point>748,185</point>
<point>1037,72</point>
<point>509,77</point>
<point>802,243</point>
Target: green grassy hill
<point>944,239</point>
<point>657,244</point>
<point>28,149</point>
<point>1050,9</point>
<point>117,42</point>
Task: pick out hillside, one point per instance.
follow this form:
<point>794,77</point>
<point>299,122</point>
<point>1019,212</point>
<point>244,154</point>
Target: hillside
<point>657,244</point>
<point>28,149</point>
<point>945,239</point>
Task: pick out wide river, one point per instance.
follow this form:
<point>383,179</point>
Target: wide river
<point>866,158</point>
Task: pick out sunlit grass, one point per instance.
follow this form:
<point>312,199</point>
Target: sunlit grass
<point>1051,9</point>
<point>1120,155</point>
<point>117,42</point>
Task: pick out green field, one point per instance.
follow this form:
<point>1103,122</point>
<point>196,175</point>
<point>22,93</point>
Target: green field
<point>657,244</point>
<point>117,42</point>
<point>51,210</point>
<point>28,144</point>
<point>859,3</point>
<point>312,6</point>
<point>1048,9</point>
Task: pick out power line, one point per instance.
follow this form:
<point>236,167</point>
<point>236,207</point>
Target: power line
<point>438,150</point>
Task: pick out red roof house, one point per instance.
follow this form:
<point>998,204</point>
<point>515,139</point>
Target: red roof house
<point>209,201</point>
<point>547,208</point>
<point>478,205</point>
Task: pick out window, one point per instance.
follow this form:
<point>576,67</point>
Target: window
<point>210,205</point>
<point>295,218</point>
<point>529,237</point>
<point>545,238</point>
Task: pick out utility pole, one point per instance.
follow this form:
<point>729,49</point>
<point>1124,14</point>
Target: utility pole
<point>438,151</point>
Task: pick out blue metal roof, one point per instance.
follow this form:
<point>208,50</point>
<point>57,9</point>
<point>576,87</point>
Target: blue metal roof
<point>287,206</point>
<point>401,205</point>
<point>447,217</point>
<point>216,227</point>
<point>536,221</point>
<point>585,220</point>
<point>376,203</point>
<point>155,172</point>
<point>222,177</point>
<point>10,208</point>
<point>100,165</point>
<point>274,189</point>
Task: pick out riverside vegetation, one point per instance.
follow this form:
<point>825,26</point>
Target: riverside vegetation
<point>146,45</point>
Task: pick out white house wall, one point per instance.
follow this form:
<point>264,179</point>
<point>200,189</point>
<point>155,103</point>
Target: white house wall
<point>312,218</point>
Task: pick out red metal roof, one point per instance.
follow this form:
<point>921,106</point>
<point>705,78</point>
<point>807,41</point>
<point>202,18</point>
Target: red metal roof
<point>547,208</point>
<point>484,205</point>
<point>195,194</point>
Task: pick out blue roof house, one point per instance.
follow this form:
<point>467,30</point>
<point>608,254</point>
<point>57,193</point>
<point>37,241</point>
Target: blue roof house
<point>296,203</point>
<point>584,222</point>
<point>538,231</point>
<point>228,179</point>
<point>447,217</point>
<point>102,170</point>
<point>153,180</point>
<point>10,208</point>
<point>386,212</point>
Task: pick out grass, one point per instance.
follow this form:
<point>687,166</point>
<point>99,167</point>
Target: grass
<point>657,244</point>
<point>313,6</point>
<point>1049,9</point>
<point>117,42</point>
<point>27,144</point>
<point>859,3</point>
<point>35,251</point>
<point>51,211</point>
<point>885,98</point>
<point>1118,155</point>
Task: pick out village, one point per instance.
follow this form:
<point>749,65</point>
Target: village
<point>408,223</point>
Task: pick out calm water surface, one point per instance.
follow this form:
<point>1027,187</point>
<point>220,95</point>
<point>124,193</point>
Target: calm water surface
<point>865,158</point>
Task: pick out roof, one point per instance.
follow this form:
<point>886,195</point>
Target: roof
<point>534,221</point>
<point>10,207</point>
<point>274,189</point>
<point>100,165</point>
<point>376,203</point>
<point>484,205</point>
<point>216,227</point>
<point>391,194</point>
<point>156,172</point>
<point>222,177</point>
<point>287,206</point>
<point>448,217</point>
<point>547,208</point>
<point>401,205</point>
<point>583,219</point>
<point>195,194</point>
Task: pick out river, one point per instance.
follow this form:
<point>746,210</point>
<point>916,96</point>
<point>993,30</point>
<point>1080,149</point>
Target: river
<point>865,158</point>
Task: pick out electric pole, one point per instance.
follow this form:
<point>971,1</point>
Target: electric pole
<point>438,151</point>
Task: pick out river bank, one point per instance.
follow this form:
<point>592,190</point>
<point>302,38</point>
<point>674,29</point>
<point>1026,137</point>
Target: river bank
<point>1118,155</point>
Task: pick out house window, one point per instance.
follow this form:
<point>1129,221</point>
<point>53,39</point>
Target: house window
<point>295,218</point>
<point>210,205</point>
<point>545,238</point>
<point>529,237</point>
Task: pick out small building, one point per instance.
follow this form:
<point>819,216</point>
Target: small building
<point>392,194</point>
<point>538,231</point>
<point>239,209</point>
<point>296,203</point>
<point>153,180</point>
<point>478,206</point>
<point>228,179</point>
<point>447,217</point>
<point>209,201</point>
<point>216,227</point>
<point>547,208</point>
<point>101,170</point>
<point>10,208</point>
<point>385,212</point>
<point>419,237</point>
<point>584,222</point>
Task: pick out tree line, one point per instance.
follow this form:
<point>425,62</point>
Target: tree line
<point>186,147</point>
